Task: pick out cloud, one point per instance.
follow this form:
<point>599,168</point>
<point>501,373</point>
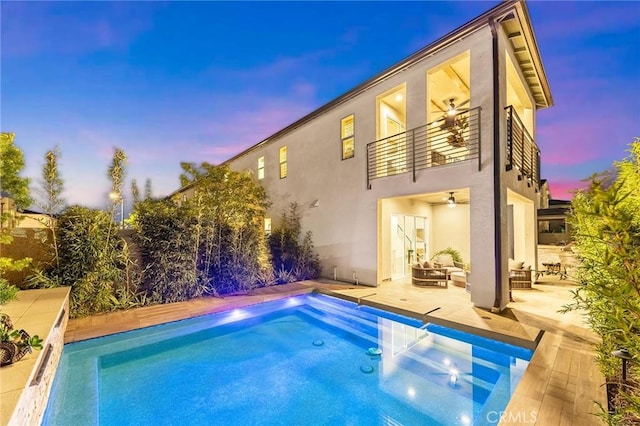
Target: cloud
<point>245,124</point>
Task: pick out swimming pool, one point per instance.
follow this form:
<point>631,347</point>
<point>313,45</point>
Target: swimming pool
<point>308,359</point>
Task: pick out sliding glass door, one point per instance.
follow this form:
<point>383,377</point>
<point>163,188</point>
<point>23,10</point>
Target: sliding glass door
<point>409,243</point>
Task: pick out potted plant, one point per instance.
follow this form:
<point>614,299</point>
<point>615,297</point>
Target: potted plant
<point>15,344</point>
<point>457,130</point>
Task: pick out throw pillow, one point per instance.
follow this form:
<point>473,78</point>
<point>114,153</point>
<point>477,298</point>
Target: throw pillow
<point>515,265</point>
<point>427,265</point>
<point>445,260</point>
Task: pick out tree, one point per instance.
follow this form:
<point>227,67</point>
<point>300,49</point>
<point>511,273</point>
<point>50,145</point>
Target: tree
<point>50,195</point>
<point>92,262</point>
<point>135,192</point>
<point>229,209</point>
<point>148,193</point>
<point>11,165</point>
<point>116,174</point>
<point>293,255</point>
<point>15,187</point>
<point>212,243</point>
<point>606,225</point>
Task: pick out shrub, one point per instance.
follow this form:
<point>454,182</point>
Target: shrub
<point>212,243</point>
<point>93,260</point>
<point>293,257</point>
<point>606,225</point>
<point>165,238</point>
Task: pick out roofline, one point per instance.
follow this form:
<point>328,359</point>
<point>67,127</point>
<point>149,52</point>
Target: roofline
<point>530,37</point>
<point>444,41</point>
<point>448,39</point>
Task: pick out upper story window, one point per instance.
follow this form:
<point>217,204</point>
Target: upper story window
<point>347,135</point>
<point>261,168</point>
<point>283,162</point>
<point>267,226</point>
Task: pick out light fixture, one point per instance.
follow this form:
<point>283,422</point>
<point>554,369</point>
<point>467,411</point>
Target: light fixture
<point>451,111</point>
<point>625,356</point>
<point>398,97</point>
<point>451,201</point>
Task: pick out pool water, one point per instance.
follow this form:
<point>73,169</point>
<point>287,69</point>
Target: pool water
<point>304,360</point>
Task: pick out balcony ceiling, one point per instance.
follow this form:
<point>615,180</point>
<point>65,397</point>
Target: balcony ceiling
<point>437,198</point>
<point>527,56</point>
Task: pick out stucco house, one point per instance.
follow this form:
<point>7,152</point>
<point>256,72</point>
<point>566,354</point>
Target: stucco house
<point>436,151</point>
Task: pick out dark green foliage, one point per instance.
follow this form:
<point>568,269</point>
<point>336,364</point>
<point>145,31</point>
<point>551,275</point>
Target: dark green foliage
<point>8,292</point>
<point>455,254</point>
<point>164,235</point>
<point>11,166</point>
<point>94,260</point>
<point>17,188</point>
<point>606,227</point>
<point>213,243</point>
<point>292,255</point>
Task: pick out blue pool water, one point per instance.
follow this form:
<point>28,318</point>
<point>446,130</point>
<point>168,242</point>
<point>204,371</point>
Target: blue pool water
<point>306,360</point>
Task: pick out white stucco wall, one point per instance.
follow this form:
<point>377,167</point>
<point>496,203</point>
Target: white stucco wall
<point>349,220</point>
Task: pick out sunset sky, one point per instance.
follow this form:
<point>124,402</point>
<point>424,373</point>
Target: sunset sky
<point>201,81</point>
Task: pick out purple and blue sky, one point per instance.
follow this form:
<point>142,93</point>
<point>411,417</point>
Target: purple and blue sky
<point>202,81</point>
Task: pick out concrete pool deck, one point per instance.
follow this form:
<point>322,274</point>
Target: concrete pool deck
<point>560,386</point>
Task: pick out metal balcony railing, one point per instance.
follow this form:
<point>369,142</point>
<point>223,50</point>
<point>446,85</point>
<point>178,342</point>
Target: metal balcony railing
<point>439,143</point>
<point>522,152</point>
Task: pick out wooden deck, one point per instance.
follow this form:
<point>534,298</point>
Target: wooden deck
<point>560,386</point>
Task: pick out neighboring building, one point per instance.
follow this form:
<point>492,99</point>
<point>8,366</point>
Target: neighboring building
<point>553,228</point>
<point>34,219</point>
<point>11,218</point>
<point>7,211</point>
<point>374,170</point>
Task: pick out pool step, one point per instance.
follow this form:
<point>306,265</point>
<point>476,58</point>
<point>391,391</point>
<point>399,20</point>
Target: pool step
<point>361,321</point>
<point>415,360</point>
<point>421,363</point>
<point>344,327</point>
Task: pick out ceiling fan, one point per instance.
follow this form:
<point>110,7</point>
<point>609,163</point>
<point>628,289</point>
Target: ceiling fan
<point>452,111</point>
<point>451,201</point>
<point>454,123</point>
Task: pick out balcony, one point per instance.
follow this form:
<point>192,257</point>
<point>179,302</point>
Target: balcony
<point>450,140</point>
<point>522,152</point>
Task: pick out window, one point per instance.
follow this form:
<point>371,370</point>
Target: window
<point>283,162</point>
<point>261,168</point>
<point>347,136</point>
<point>267,226</point>
<point>554,226</point>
